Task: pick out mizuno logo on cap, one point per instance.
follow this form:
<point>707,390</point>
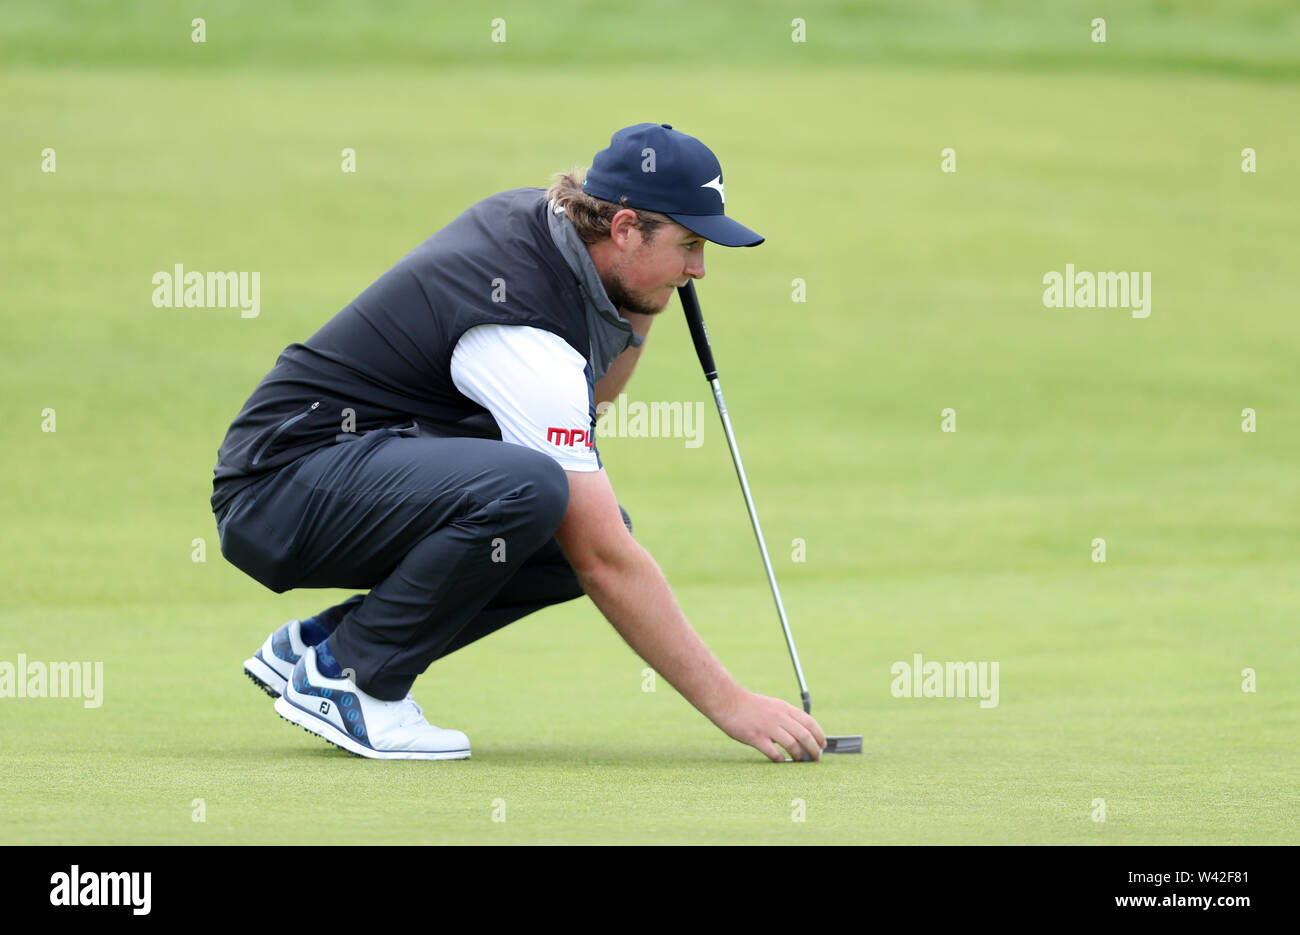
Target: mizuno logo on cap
<point>716,183</point>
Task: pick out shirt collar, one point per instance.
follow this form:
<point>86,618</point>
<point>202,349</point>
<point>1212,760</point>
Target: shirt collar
<point>609,332</point>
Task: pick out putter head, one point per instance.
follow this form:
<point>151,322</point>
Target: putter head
<point>846,743</point>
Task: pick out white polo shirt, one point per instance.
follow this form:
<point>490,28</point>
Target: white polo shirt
<point>537,387</point>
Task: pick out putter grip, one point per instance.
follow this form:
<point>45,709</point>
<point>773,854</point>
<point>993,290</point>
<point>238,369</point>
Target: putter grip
<point>695,321</point>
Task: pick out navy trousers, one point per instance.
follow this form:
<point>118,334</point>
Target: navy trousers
<point>454,537</point>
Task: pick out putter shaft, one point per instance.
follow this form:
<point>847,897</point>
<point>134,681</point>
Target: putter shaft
<point>762,545</point>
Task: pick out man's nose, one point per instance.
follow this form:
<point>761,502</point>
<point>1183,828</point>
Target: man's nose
<point>695,265</point>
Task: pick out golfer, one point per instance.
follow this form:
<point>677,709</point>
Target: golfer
<point>434,444</point>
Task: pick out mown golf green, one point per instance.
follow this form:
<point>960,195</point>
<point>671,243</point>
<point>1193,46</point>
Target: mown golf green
<point>934,452</point>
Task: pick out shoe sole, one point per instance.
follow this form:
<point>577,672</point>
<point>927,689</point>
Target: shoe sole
<point>264,677</point>
<point>313,724</point>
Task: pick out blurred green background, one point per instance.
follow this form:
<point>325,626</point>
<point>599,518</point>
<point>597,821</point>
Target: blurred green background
<point>1119,681</point>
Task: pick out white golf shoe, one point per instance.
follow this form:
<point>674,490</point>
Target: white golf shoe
<point>337,711</point>
<point>271,665</point>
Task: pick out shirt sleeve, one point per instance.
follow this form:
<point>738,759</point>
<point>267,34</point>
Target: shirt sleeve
<point>538,388</point>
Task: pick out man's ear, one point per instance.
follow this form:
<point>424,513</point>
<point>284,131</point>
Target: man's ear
<point>621,226</point>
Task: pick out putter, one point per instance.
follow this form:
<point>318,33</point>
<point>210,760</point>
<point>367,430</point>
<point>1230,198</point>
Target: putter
<point>846,743</point>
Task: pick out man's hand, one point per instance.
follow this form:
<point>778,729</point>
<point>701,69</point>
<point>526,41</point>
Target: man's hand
<point>764,723</point>
<point>627,585</point>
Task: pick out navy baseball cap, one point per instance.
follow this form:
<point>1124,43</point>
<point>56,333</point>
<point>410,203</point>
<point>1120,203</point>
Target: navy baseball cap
<point>657,168</point>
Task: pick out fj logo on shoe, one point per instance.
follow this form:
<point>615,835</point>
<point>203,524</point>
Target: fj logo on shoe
<point>324,707</point>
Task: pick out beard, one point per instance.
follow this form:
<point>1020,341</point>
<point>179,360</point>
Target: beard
<point>625,300</point>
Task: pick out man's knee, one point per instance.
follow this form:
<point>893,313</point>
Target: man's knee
<point>256,550</point>
<point>552,492</point>
<point>555,492</point>
<point>544,486</point>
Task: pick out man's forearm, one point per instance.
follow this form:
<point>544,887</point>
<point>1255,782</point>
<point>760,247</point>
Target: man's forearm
<point>635,597</point>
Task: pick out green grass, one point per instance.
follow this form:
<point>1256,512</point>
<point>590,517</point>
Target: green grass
<point>1119,681</point>
<point>1258,38</point>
